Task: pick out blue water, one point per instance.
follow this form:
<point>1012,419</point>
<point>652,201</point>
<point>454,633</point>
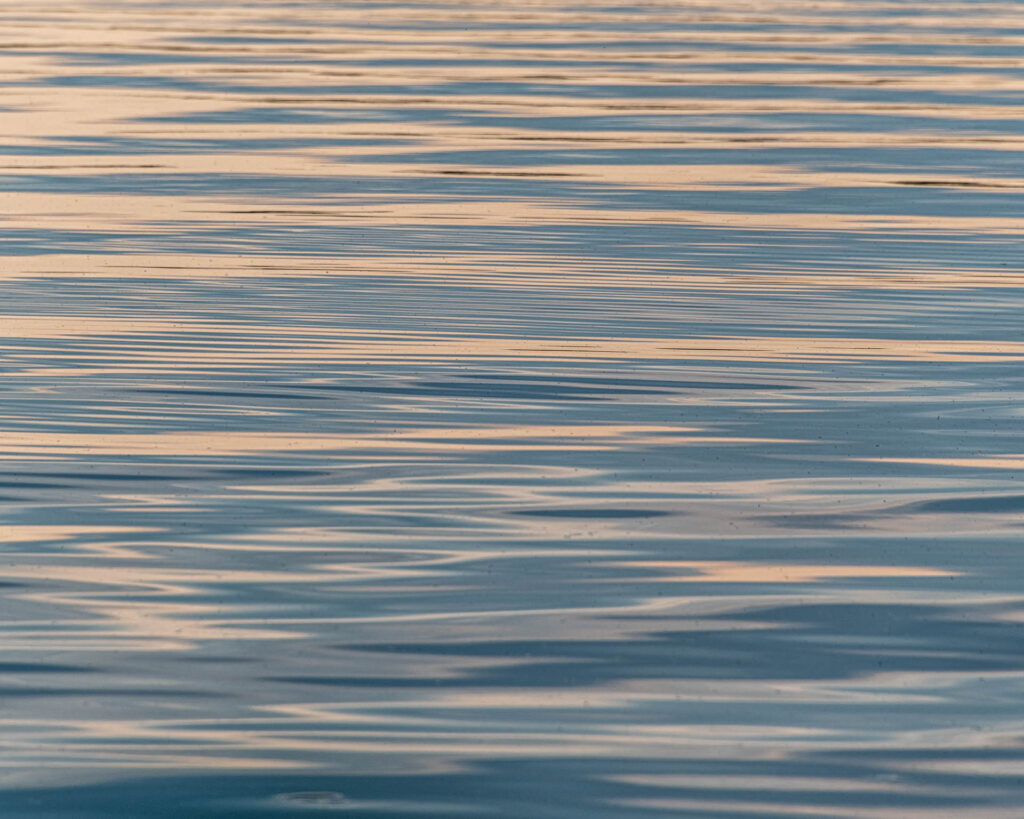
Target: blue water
<point>472,410</point>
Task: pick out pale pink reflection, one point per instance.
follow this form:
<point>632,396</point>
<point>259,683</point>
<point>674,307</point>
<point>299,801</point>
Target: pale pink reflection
<point>722,571</point>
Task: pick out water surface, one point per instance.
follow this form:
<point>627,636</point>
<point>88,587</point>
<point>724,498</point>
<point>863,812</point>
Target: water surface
<point>563,411</point>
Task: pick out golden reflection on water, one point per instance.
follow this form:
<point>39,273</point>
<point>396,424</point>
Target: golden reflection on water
<point>609,405</point>
<point>733,572</point>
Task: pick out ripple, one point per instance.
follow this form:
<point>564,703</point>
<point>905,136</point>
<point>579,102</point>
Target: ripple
<point>567,410</point>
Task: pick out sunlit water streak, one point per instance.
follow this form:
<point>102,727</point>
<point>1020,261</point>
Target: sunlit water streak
<point>430,409</point>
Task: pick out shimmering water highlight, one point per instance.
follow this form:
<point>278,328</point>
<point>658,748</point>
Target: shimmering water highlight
<point>562,411</point>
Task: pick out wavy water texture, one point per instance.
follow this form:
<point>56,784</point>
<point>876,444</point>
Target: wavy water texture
<point>546,410</point>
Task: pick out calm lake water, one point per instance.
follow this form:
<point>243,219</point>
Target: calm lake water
<point>517,411</point>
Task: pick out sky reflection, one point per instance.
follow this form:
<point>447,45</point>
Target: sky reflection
<point>435,409</point>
